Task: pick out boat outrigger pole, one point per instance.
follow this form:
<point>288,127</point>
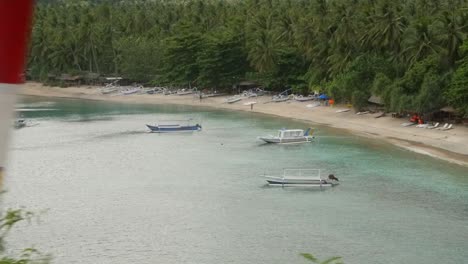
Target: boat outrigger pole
<point>15,21</point>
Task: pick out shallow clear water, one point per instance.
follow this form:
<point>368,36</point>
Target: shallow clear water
<point>118,194</point>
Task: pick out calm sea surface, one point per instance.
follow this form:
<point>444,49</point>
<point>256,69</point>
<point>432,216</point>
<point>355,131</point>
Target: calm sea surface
<point>118,194</point>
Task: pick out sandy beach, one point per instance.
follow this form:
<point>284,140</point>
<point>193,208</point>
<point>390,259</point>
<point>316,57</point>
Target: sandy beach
<point>449,145</point>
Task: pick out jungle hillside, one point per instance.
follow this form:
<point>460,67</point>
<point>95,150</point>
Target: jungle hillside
<point>411,53</point>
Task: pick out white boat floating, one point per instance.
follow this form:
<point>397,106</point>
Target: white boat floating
<point>290,136</point>
<point>301,178</point>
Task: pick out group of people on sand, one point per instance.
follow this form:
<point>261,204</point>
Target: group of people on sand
<point>416,119</point>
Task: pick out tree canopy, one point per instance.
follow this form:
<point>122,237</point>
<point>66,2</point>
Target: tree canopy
<point>414,54</point>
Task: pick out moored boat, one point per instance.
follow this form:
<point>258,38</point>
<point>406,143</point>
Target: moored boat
<point>289,136</point>
<point>174,126</point>
<point>20,123</point>
<point>301,178</point>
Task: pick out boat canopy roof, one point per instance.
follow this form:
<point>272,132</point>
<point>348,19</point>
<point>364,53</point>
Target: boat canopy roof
<point>291,132</point>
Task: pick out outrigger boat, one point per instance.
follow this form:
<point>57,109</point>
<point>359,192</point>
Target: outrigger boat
<point>131,90</point>
<point>301,178</point>
<point>301,98</point>
<point>184,91</point>
<point>174,126</point>
<point>109,90</point>
<point>20,123</point>
<point>289,136</point>
<point>280,98</point>
<point>233,99</point>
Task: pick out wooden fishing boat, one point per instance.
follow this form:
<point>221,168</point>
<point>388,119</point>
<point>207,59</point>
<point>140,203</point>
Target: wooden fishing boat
<point>301,98</point>
<point>174,126</point>
<point>233,99</point>
<point>280,98</point>
<point>20,123</point>
<point>289,136</point>
<point>184,91</point>
<point>109,90</point>
<point>131,90</point>
<point>301,178</point>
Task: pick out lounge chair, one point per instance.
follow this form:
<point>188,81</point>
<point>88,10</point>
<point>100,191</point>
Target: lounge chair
<point>422,125</point>
<point>434,126</point>
<point>407,124</point>
<point>447,128</point>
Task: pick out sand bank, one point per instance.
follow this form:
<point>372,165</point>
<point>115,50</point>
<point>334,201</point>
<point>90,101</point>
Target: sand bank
<point>450,145</point>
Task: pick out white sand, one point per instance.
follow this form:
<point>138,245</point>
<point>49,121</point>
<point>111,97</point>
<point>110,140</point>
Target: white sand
<point>450,145</point>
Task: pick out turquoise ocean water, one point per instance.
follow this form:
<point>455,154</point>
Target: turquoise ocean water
<point>115,193</point>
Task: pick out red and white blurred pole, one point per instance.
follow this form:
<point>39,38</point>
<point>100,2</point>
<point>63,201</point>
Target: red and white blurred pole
<point>15,27</point>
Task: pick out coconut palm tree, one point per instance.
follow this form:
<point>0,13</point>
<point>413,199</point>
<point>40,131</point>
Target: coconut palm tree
<point>419,41</point>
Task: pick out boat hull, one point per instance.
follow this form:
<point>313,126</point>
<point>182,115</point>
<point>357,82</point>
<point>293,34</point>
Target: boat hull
<point>304,99</point>
<point>109,91</point>
<point>184,93</point>
<point>279,181</point>
<point>233,100</point>
<point>295,140</point>
<point>173,128</point>
<point>279,100</point>
<point>130,92</point>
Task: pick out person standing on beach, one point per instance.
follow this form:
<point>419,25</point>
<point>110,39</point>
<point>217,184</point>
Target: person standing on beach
<point>200,96</point>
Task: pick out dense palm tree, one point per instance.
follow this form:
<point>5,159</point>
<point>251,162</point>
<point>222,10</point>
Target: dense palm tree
<point>450,28</point>
<point>419,41</point>
<point>319,41</point>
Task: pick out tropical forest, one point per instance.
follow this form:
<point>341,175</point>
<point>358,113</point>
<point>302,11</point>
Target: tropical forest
<point>411,53</point>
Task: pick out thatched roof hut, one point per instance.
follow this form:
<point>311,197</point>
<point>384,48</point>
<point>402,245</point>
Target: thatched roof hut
<point>374,99</point>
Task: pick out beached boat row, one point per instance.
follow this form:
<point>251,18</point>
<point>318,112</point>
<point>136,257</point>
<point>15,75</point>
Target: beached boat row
<point>127,90</point>
<point>246,94</point>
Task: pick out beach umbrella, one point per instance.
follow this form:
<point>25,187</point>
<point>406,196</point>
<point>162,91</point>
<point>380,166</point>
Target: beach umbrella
<point>15,19</point>
<point>323,97</point>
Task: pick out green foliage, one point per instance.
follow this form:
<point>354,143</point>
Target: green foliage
<point>421,89</point>
<point>359,99</point>
<point>139,59</point>
<point>8,220</point>
<point>346,46</point>
<point>222,60</point>
<point>457,93</point>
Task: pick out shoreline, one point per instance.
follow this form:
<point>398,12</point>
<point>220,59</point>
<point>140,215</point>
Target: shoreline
<point>450,145</point>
